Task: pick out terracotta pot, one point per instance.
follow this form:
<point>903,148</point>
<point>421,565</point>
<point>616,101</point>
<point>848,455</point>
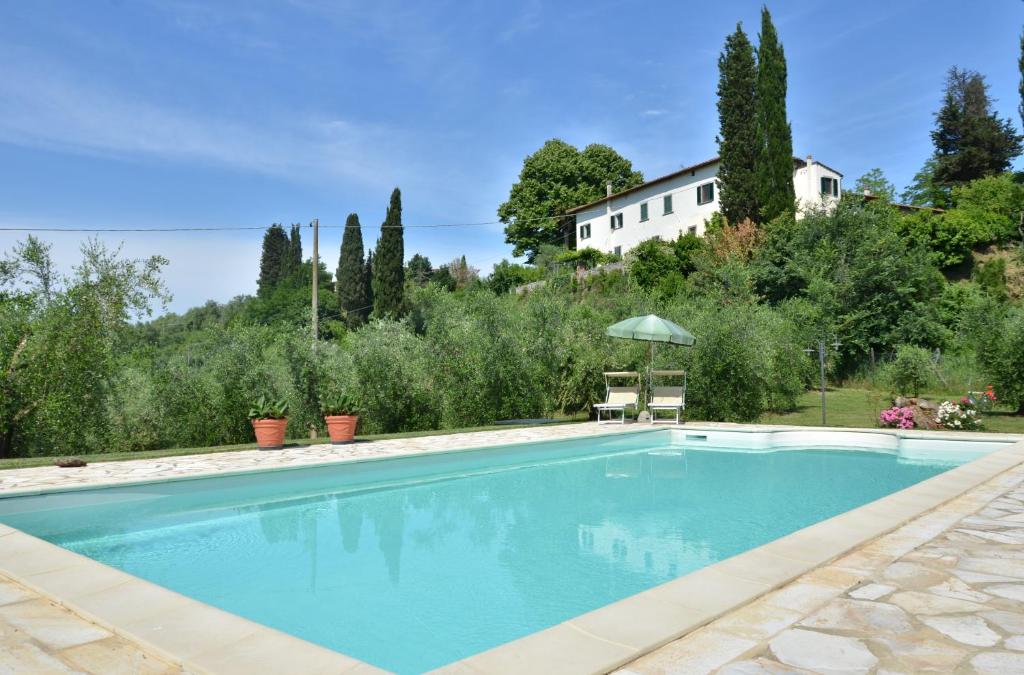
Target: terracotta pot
<point>341,428</point>
<point>270,433</point>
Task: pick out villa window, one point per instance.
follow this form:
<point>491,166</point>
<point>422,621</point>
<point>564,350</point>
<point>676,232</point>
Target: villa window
<point>618,251</point>
<point>692,229</point>
<point>829,186</point>
<point>585,231</point>
<point>667,202</point>
<point>616,221</point>
<point>643,212</point>
<point>706,193</point>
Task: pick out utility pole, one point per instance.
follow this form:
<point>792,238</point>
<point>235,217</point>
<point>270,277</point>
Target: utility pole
<point>316,281</point>
<point>821,370</point>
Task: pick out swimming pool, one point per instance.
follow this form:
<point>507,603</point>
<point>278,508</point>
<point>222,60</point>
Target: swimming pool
<point>415,562</point>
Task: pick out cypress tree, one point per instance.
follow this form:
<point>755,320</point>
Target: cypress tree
<point>389,263</point>
<point>1020,83</point>
<point>295,249</point>
<point>971,140</point>
<point>738,137</point>
<point>291,263</point>
<point>775,193</point>
<point>272,260</point>
<point>368,285</point>
<point>351,274</point>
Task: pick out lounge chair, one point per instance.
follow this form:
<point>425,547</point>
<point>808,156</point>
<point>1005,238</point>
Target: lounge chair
<point>667,397</point>
<point>619,397</point>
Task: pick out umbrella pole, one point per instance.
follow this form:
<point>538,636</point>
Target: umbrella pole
<point>650,373</point>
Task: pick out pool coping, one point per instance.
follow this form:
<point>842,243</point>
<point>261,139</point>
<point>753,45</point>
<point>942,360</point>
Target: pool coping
<point>614,635</point>
<point>203,638</point>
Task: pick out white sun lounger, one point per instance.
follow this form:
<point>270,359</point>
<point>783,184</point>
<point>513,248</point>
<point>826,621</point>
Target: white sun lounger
<point>619,398</point>
<point>671,398</point>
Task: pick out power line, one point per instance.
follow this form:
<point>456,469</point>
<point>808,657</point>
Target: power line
<point>234,228</point>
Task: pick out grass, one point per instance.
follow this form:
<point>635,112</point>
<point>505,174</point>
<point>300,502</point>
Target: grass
<point>24,462</point>
<point>860,408</point>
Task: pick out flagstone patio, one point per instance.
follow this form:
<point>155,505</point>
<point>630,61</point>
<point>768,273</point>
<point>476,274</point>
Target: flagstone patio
<point>943,594</point>
<point>38,636</point>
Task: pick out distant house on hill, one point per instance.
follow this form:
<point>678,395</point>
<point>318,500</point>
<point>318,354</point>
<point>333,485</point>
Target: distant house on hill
<point>680,202</point>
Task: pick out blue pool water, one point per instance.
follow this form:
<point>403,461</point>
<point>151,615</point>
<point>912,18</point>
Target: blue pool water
<point>413,563</point>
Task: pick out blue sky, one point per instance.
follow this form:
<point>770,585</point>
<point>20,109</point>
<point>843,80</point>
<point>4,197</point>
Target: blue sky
<point>164,113</point>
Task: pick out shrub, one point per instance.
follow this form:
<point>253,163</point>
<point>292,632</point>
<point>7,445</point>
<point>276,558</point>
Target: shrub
<point>1002,357</point>
<point>651,262</point>
<point>391,372</point>
<point>910,370</point>
<point>744,362</point>
<point>135,415</point>
<point>897,418</point>
<point>962,416</point>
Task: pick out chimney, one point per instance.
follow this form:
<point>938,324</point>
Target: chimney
<point>867,192</point>
<point>810,160</point>
<point>608,189</point>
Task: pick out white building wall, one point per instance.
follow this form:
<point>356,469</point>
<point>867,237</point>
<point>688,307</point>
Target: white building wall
<point>807,185</point>
<point>686,215</point>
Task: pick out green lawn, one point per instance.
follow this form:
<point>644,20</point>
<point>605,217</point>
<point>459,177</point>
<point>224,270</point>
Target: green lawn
<point>22,462</point>
<point>860,408</point>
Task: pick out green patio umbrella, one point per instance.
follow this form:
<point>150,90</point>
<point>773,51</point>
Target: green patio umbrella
<point>651,328</point>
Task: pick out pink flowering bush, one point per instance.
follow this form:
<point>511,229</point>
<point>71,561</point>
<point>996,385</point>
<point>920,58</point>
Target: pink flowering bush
<point>897,418</point>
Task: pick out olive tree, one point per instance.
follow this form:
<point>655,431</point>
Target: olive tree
<point>59,338</point>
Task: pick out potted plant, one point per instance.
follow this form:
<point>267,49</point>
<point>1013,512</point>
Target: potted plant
<point>340,414</point>
<point>269,421</point>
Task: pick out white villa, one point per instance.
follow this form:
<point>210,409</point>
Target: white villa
<point>680,202</point>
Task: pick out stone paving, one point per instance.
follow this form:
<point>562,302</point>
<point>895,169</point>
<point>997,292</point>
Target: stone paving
<point>40,637</point>
<point>109,473</point>
<point>943,594</point>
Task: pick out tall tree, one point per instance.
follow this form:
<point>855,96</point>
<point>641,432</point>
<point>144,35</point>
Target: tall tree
<point>737,123</point>
<point>276,247</point>
<point>1020,84</point>
<point>924,190</point>
<point>556,178</point>
<point>775,191</point>
<point>294,260</point>
<point>971,140</point>
<point>351,274</point>
<point>368,281</point>
<point>389,263</point>
<point>419,269</point>
<point>874,182</point>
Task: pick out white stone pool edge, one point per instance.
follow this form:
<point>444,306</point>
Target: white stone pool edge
<point>204,639</point>
<point>613,636</point>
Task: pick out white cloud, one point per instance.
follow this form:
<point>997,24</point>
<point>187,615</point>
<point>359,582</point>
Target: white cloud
<point>654,112</point>
<point>44,108</point>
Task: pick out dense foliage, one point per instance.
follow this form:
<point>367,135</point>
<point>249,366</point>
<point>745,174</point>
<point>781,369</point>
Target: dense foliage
<point>555,178</point>
<point>59,343</point>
